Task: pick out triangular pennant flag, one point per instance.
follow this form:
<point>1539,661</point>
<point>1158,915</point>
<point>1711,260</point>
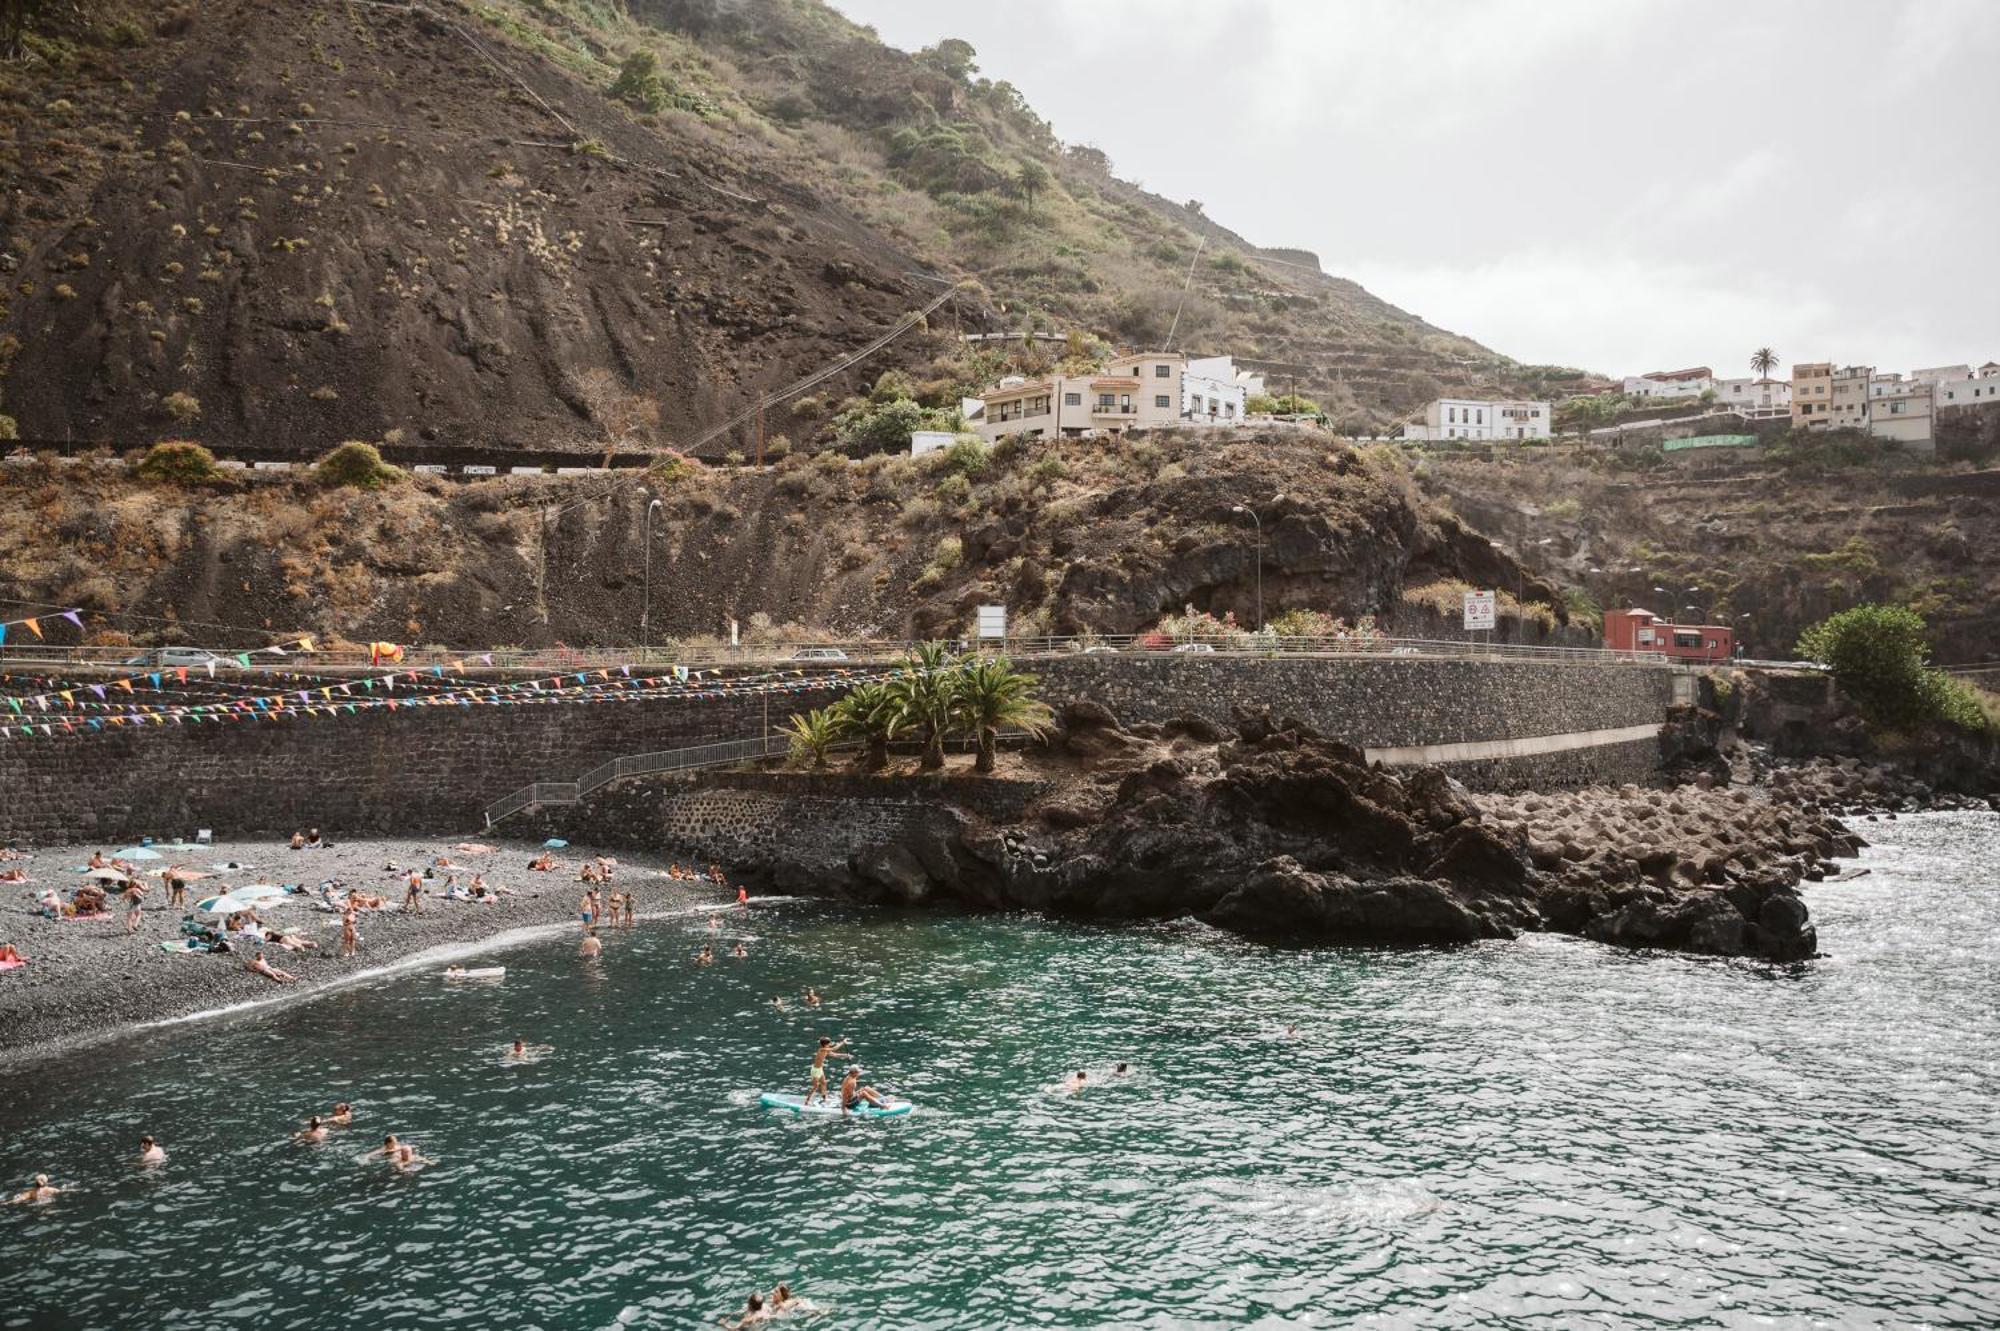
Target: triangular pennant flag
<point>243,659</point>
<point>33,627</point>
<point>181,674</point>
<point>306,644</point>
<point>155,677</point>
<point>73,617</point>
<point>125,684</point>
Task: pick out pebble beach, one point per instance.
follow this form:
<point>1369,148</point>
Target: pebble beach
<point>88,980</point>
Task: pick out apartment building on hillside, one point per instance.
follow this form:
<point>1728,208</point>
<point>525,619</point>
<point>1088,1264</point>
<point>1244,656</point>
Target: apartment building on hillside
<point>1969,388</point>
<point>1139,392</point>
<point>1470,418</point>
<point>1755,396</point>
<point>1826,397</point>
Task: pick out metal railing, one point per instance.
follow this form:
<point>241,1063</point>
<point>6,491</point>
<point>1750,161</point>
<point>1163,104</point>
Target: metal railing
<point>721,754</point>
<point>793,654</point>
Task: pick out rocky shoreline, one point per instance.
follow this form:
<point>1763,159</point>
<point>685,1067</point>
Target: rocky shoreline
<point>1278,833</point>
<point>88,981</point>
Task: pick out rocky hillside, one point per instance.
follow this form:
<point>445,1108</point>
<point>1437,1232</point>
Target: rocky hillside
<point>1073,538</point>
<point>1771,544</point>
<point>565,223</point>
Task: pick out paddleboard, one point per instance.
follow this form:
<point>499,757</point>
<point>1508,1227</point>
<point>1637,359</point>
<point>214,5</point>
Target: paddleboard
<point>485,973</point>
<point>797,1105</point>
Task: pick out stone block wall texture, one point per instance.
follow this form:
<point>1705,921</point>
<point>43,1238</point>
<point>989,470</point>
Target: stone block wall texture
<point>432,770</point>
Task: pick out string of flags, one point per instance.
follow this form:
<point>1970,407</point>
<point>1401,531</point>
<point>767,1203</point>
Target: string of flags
<point>34,623</point>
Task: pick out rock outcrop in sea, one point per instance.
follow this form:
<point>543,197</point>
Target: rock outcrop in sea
<point>1279,833</point>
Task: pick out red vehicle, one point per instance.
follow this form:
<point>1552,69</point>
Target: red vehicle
<point>1643,631</point>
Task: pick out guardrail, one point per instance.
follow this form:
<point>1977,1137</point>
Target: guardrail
<point>829,653</point>
<point>721,754</point>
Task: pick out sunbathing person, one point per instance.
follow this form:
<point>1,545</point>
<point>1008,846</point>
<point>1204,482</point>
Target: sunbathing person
<point>10,956</point>
<point>14,875</point>
<point>259,966</point>
<point>542,863</point>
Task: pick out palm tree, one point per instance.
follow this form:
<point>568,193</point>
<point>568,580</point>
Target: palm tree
<point>923,693</point>
<point>811,734</point>
<point>868,714</point>
<point>1763,361</point>
<point>992,695</point>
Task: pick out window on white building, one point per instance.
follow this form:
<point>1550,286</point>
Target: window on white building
<point>1162,371</point>
<point>1162,400</point>
<point>1072,399</point>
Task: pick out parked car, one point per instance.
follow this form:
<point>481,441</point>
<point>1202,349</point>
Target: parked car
<point>1196,647</point>
<point>193,657</point>
<point>819,654</point>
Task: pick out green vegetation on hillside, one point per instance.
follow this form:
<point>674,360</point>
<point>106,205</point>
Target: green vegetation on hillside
<point>1880,657</point>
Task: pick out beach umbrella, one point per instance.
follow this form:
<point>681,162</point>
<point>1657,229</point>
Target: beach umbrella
<point>258,892</point>
<point>226,904</point>
<point>105,875</point>
<point>139,853</point>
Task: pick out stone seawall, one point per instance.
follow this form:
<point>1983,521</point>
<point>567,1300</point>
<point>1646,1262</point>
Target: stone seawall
<point>1371,702</point>
<point>427,770</point>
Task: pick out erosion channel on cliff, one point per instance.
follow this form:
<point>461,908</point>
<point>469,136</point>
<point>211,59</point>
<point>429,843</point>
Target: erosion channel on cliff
<point>1278,833</point>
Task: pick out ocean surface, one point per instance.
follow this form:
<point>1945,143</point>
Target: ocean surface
<point>1537,1134</point>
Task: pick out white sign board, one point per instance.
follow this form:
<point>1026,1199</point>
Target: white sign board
<point>929,441</point>
<point>476,470</point>
<point>430,468</point>
<point>992,621</point>
<point>1478,610</point>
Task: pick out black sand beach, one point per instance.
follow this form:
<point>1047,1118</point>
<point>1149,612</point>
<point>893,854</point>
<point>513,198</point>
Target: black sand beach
<point>88,980</point>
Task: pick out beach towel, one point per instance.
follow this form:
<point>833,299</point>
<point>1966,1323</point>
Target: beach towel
<point>11,965</point>
<point>94,915</point>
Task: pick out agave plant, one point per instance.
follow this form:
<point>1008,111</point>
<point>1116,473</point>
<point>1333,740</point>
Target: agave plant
<point>811,735</point>
<point>991,696</point>
<point>867,714</point>
<point>924,694</point>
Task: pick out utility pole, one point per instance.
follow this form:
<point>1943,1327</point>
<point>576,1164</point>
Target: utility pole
<point>646,607</point>
<point>760,435</point>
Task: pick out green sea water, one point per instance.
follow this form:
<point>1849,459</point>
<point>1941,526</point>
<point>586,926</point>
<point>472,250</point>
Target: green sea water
<point>1544,1133</point>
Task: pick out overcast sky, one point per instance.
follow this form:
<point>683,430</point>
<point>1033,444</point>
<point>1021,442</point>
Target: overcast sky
<point>1624,185</point>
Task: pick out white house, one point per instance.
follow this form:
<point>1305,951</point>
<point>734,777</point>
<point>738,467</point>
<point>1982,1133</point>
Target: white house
<point>1470,418</point>
<point>1136,392</point>
<point>1985,387</point>
<point>1215,392</point>
<point>1671,383</point>
<point>1755,395</point>
<point>1901,410</point>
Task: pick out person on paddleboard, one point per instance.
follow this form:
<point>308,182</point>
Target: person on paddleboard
<point>853,1095</point>
<point>816,1086</point>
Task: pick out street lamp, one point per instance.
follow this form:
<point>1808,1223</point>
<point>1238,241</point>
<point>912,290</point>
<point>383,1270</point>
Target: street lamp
<point>646,606</point>
<point>1239,508</point>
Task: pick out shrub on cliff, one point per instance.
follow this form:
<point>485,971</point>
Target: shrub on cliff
<point>177,462</point>
<point>1880,658</point>
<point>357,466</point>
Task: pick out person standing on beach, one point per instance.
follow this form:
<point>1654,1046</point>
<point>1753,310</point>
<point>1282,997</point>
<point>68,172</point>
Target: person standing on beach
<point>413,896</point>
<point>350,937</point>
<point>176,888</point>
<point>134,896</point>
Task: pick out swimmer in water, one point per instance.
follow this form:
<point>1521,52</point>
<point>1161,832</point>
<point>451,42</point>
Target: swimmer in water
<point>1076,1081</point>
<point>406,1159</point>
<point>313,1131</point>
<point>816,1082</point>
<point>43,1191</point>
<point>521,1052</point>
<point>706,956</point>
<point>150,1152</point>
<point>778,1002</point>
<point>714,923</point>
<point>739,952</point>
<point>753,1313</point>
<point>812,996</point>
<point>590,947</point>
<point>342,1116</point>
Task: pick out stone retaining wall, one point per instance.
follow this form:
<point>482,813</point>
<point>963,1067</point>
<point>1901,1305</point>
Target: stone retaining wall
<point>430,770</point>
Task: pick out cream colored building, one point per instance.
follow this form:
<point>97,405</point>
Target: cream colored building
<point>1138,392</point>
<point>1825,397</point>
<point>1903,410</point>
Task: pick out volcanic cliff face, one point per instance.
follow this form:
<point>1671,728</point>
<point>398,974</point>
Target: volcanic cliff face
<point>275,222</point>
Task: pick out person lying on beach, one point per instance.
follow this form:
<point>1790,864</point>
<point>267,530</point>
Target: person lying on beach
<point>543,863</point>
<point>473,848</point>
<point>853,1094</point>
<point>11,956</point>
<point>50,902</point>
<point>150,1152</point>
<point>10,853</point>
<point>313,1131</point>
<point>14,875</point>
<point>43,1191</point>
<point>259,966</point>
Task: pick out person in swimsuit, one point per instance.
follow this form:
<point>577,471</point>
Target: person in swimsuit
<point>350,937</point>
<point>590,947</point>
<point>150,1152</point>
<point>314,1131</point>
<point>631,918</point>
<point>43,1191</point>
<point>407,1159</point>
<point>706,956</point>
<point>135,897</point>
<point>743,900</point>
<point>343,1114</point>
<point>1075,1081</point>
<point>389,1148</point>
<point>739,951</point>
<point>752,1314</point>
<point>853,1094</point>
<point>257,965</point>
<point>413,893</point>
<point>816,1079</point>
<point>176,888</point>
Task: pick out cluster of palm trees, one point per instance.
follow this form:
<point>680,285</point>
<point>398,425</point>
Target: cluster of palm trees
<point>934,696</point>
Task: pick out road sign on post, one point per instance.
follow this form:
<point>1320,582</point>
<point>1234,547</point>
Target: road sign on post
<point>992,622</point>
<point>1478,611</point>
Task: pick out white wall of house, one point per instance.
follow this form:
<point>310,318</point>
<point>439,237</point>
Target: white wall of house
<point>1754,394</point>
<point>1471,418</point>
<point>1641,385</point>
<point>1226,369</point>
<point>1904,412</point>
<point>1966,392</point>
<point>1211,400</point>
<point>929,441</point>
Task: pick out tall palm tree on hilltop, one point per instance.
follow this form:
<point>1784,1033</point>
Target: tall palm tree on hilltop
<point>1763,361</point>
